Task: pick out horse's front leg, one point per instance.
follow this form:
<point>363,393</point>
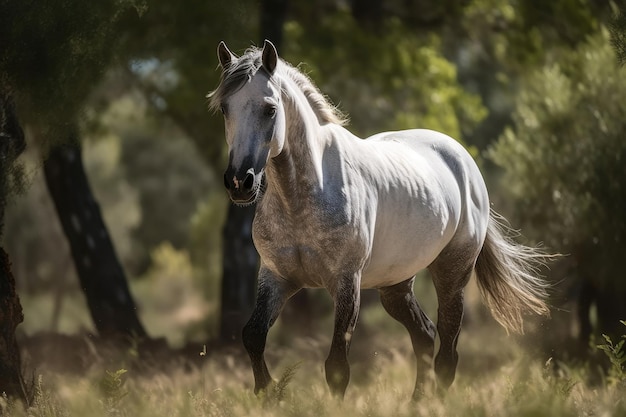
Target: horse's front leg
<point>347,303</point>
<point>272,294</point>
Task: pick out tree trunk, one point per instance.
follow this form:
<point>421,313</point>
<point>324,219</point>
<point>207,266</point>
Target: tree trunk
<point>11,145</point>
<point>11,379</point>
<point>610,309</point>
<point>273,14</point>
<point>369,13</point>
<point>240,266</point>
<point>100,273</point>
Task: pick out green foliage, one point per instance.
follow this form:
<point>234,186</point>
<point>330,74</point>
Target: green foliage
<point>205,242</point>
<point>563,158</point>
<point>520,34</point>
<point>616,352</point>
<point>102,157</point>
<point>617,29</point>
<point>167,197</point>
<point>561,21</point>
<point>170,297</point>
<point>174,64</point>
<point>54,68</point>
<point>386,80</point>
<point>496,43</point>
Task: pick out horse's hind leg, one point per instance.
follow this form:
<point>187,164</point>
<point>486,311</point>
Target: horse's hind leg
<point>399,301</point>
<point>451,271</point>
<point>271,297</point>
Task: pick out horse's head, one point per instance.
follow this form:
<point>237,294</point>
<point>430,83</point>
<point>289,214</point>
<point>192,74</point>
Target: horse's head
<point>249,96</point>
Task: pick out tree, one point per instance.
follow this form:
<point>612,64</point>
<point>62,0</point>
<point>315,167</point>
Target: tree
<point>563,161</point>
<point>390,79</point>
<point>53,69</point>
<point>100,273</point>
<point>617,28</point>
<point>11,145</point>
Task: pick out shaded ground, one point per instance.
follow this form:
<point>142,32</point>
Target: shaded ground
<point>76,354</point>
<point>483,349</point>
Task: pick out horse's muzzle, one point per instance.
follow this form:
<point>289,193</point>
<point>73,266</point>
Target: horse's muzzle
<point>242,189</point>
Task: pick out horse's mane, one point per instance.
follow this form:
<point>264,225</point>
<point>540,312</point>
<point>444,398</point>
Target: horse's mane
<point>243,68</point>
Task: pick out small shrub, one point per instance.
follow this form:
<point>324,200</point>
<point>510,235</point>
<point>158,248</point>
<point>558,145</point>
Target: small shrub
<point>616,352</point>
<point>112,388</point>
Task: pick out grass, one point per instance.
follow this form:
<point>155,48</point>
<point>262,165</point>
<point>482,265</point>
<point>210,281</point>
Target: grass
<point>497,377</point>
<point>520,389</point>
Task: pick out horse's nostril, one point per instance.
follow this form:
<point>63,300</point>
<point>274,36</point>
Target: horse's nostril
<point>248,182</point>
<point>226,182</point>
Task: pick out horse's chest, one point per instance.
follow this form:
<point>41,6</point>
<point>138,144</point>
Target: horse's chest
<point>307,264</point>
<point>309,252</point>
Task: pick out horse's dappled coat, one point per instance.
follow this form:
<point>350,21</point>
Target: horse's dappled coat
<point>344,213</point>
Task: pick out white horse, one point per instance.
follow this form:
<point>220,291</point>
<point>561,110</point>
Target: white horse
<point>342,213</point>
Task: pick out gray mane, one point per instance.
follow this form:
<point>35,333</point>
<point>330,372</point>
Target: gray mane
<point>243,68</point>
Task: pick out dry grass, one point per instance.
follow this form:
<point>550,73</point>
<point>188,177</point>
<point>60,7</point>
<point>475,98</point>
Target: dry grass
<point>496,377</point>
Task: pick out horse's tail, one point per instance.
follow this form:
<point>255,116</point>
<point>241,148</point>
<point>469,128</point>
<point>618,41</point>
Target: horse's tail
<point>508,276</point>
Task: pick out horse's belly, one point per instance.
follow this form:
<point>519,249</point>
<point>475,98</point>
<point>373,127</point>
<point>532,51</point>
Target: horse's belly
<point>404,245</point>
<point>386,269</point>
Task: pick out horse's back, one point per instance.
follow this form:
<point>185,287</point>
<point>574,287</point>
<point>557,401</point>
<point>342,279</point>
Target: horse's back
<point>425,141</point>
<point>443,155</point>
<point>447,156</point>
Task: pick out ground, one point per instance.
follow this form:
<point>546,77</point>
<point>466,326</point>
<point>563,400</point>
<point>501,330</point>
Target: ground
<point>498,375</point>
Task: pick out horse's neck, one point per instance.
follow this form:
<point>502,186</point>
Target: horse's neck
<point>296,172</point>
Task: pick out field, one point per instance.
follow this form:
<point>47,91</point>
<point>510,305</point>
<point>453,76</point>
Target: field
<point>498,375</point>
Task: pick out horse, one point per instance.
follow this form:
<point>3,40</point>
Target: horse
<point>339,212</point>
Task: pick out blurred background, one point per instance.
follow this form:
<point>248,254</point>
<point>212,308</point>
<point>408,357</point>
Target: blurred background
<point>118,222</point>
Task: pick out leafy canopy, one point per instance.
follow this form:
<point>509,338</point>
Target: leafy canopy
<point>563,157</point>
<point>390,79</point>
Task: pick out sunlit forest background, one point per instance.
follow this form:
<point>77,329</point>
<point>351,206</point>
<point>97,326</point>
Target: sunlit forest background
<point>115,91</point>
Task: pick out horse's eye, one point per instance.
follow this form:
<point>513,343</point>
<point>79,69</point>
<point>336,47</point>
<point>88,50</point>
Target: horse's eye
<point>270,111</point>
<point>223,109</point>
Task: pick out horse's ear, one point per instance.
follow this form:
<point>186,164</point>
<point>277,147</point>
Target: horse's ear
<point>269,57</point>
<point>224,55</point>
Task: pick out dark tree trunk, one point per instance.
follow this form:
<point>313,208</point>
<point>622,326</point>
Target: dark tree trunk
<point>11,379</point>
<point>239,274</point>
<point>273,14</point>
<point>11,145</point>
<point>369,13</point>
<point>608,297</point>
<point>611,306</point>
<point>610,309</point>
<point>100,273</point>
